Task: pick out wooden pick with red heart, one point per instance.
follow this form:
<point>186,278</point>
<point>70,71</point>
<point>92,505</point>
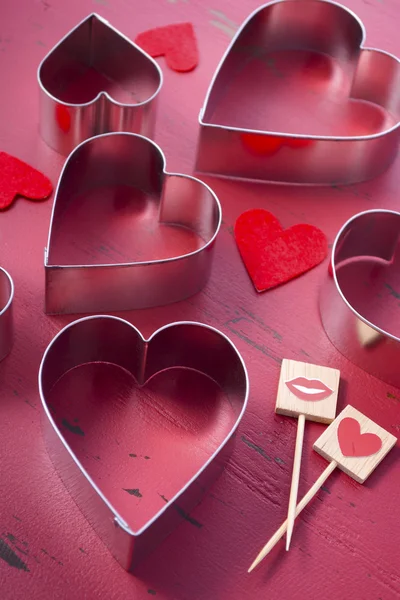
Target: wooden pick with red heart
<point>20,179</point>
<point>176,42</point>
<point>342,443</point>
<point>273,255</point>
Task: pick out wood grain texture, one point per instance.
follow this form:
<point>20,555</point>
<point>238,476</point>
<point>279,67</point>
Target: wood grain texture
<point>288,401</point>
<point>347,540</point>
<point>294,486</point>
<point>358,467</point>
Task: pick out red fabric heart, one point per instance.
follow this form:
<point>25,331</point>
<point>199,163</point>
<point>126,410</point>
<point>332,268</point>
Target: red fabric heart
<point>273,255</point>
<point>354,443</point>
<point>18,178</point>
<point>176,42</point>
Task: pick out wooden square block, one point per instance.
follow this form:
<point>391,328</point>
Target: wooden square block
<point>356,443</point>
<point>309,390</point>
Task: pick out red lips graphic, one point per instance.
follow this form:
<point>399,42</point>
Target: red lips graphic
<point>309,389</point>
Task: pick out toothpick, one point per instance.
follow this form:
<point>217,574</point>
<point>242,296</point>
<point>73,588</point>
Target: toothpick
<point>353,443</point>
<point>308,392</point>
<point>301,505</point>
<point>295,479</point>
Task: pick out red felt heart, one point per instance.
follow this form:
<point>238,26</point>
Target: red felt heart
<point>176,42</point>
<point>273,255</point>
<point>354,443</point>
<point>19,179</point>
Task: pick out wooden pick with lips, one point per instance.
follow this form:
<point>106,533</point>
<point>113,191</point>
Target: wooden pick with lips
<point>308,392</point>
<point>353,443</point>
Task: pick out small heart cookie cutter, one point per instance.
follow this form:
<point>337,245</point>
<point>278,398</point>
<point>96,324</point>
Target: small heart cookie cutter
<point>137,162</point>
<point>94,49</point>
<point>6,313</point>
<point>308,25</point>
<point>114,340</point>
<point>358,302</point>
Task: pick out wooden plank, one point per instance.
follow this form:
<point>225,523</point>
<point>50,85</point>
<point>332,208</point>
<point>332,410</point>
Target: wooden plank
<point>40,524</point>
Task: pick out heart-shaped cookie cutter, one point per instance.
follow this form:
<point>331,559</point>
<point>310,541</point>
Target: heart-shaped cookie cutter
<point>113,340</point>
<point>131,160</point>
<point>95,45</point>
<point>6,313</point>
<point>313,25</point>
<point>354,310</point>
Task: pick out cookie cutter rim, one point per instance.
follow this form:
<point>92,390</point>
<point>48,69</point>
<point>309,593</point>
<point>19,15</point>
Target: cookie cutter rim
<point>136,264</point>
<point>332,299</point>
<point>6,316</point>
<point>102,93</point>
<point>285,135</point>
<point>128,562</point>
<point>97,18</point>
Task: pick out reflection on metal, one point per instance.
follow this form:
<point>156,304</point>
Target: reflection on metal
<point>323,27</point>
<point>369,238</point>
<point>6,313</point>
<point>68,117</point>
<point>113,340</point>
<point>127,159</point>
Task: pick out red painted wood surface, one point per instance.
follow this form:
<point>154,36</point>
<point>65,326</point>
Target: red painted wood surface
<point>345,544</point>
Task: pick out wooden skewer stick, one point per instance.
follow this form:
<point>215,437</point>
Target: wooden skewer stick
<point>295,479</point>
<point>302,504</point>
<point>308,392</point>
<point>353,443</point>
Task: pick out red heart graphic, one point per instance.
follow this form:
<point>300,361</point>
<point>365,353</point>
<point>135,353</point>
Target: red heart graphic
<point>18,178</point>
<point>176,42</point>
<point>273,255</point>
<point>354,443</point>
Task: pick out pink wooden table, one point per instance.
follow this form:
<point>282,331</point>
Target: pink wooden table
<point>346,543</point>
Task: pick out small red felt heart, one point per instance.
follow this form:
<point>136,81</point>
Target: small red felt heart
<point>18,178</point>
<point>273,255</point>
<point>354,443</point>
<point>176,42</point>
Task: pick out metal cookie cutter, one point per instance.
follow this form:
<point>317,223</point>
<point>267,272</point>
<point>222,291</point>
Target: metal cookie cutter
<point>372,76</point>
<point>360,301</point>
<point>96,80</point>
<point>113,340</point>
<point>6,313</point>
<point>133,161</point>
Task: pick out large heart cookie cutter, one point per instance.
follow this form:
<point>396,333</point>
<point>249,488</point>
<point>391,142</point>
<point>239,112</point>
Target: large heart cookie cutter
<point>371,77</point>
<point>133,161</point>
<point>6,313</point>
<point>95,80</point>
<point>359,301</point>
<point>112,340</point>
